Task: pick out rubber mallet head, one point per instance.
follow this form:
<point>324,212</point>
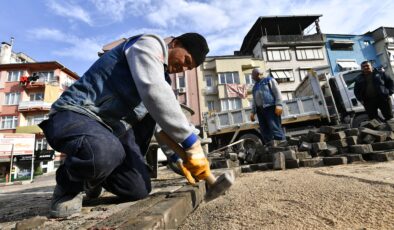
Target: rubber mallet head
<point>220,186</point>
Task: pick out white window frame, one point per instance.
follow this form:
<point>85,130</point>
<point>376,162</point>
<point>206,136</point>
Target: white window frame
<point>303,72</point>
<point>12,98</point>
<point>309,54</point>
<point>36,119</point>
<point>283,75</point>
<point>41,144</point>
<point>14,75</point>
<point>230,104</point>
<point>181,79</point>
<point>228,78</point>
<point>278,54</point>
<point>211,105</point>
<point>209,78</point>
<point>248,79</point>
<point>8,122</point>
<point>38,96</point>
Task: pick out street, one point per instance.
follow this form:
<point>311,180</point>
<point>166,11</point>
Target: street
<point>357,196</point>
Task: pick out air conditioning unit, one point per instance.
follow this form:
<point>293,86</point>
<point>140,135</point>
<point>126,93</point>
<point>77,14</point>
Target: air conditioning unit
<point>182,90</point>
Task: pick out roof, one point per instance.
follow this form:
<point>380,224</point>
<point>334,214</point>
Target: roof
<point>276,25</point>
<point>37,66</point>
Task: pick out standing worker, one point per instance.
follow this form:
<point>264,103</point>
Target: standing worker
<point>105,120</point>
<point>267,104</point>
<point>373,89</point>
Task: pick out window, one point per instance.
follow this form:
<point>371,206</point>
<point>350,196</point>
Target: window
<point>278,55</point>
<point>347,65</point>
<point>12,98</point>
<point>14,75</point>
<point>181,82</point>
<point>41,144</point>
<point>36,96</point>
<point>230,104</point>
<point>287,95</point>
<point>8,122</point>
<point>209,80</point>
<point>248,79</point>
<point>47,76</point>
<point>303,73</point>
<point>228,78</point>
<point>350,79</point>
<point>309,54</point>
<point>37,119</point>
<point>211,105</point>
<point>367,42</point>
<point>283,75</point>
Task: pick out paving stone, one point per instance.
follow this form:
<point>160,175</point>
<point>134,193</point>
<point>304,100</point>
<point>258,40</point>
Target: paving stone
<point>294,141</point>
<point>327,129</point>
<point>383,145</point>
<point>31,223</point>
<point>383,156</point>
<point>337,136</point>
<point>246,169</point>
<point>260,167</point>
<point>368,139</point>
<point>338,143</point>
<point>303,155</point>
<point>330,151</point>
<point>224,163</point>
<point>305,138</point>
<point>289,155</point>
<point>378,135</point>
<point>351,132</point>
<point>343,150</point>
<point>390,135</point>
<point>279,161</point>
<point>372,124</point>
<point>390,123</point>
<point>334,160</point>
<point>319,146</point>
<point>318,137</point>
<point>313,162</point>
<point>351,140</point>
<point>360,149</point>
<point>305,146</point>
<point>351,158</point>
<point>276,149</point>
<point>292,164</point>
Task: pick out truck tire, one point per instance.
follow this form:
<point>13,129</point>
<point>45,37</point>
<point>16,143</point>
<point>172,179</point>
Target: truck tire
<point>356,122</point>
<point>251,141</point>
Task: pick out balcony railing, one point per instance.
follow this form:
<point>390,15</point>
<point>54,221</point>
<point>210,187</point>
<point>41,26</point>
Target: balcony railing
<point>210,91</point>
<point>34,105</point>
<point>294,38</point>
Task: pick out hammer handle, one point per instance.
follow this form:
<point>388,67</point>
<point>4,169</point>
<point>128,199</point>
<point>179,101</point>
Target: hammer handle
<point>165,139</point>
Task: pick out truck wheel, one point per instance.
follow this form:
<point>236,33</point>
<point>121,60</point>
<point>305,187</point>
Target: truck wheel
<point>251,141</point>
<point>359,119</point>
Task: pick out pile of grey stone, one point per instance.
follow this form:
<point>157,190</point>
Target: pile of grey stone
<point>327,146</point>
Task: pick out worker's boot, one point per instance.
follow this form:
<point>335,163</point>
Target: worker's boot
<point>93,192</point>
<point>64,204</point>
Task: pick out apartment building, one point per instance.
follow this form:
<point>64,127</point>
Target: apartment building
<point>287,47</point>
<point>27,90</point>
<point>384,46</point>
<point>346,51</point>
<point>225,82</point>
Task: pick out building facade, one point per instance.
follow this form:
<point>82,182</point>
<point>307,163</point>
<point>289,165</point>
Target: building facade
<point>347,52</point>
<point>27,91</point>
<point>286,49</point>
<point>384,46</point>
<point>225,82</point>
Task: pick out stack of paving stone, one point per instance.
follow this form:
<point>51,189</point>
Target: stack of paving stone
<point>373,141</point>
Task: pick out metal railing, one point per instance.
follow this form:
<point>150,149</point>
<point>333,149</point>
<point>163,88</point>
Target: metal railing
<point>295,38</point>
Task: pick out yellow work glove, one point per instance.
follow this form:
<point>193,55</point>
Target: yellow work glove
<point>196,162</point>
<point>251,116</point>
<point>278,110</point>
<point>186,173</point>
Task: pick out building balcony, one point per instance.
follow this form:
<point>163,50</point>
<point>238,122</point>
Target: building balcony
<point>293,39</point>
<point>28,129</point>
<point>210,91</point>
<point>39,84</point>
<point>34,106</point>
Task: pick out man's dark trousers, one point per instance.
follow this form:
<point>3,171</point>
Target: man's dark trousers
<point>372,105</point>
<point>95,156</point>
<point>270,124</point>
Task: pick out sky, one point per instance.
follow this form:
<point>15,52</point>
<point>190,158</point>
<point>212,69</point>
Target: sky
<point>73,31</point>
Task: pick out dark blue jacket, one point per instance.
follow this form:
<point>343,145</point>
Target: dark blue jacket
<point>383,84</point>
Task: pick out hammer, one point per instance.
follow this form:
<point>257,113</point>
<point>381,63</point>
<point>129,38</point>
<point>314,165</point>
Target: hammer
<point>216,186</point>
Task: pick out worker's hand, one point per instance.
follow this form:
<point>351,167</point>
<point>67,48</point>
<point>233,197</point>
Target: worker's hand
<point>186,173</point>
<point>196,162</point>
<point>252,117</point>
<point>278,110</point>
